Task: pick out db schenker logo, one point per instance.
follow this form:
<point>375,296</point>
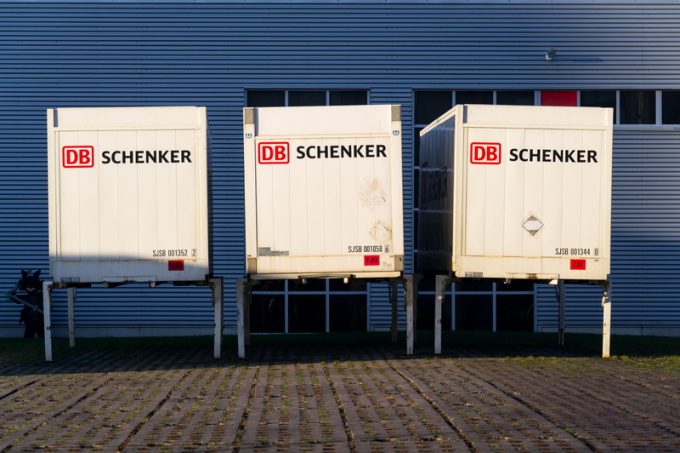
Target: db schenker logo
<point>273,153</point>
<point>482,153</point>
<point>77,156</point>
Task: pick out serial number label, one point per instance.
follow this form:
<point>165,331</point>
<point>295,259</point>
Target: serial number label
<point>368,249</point>
<point>174,253</point>
<point>576,251</point>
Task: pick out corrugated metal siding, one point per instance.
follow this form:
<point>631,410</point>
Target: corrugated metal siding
<point>645,240</point>
<point>208,53</point>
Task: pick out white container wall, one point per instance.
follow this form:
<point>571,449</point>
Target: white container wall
<point>128,194</point>
<point>323,195</point>
<point>516,193</point>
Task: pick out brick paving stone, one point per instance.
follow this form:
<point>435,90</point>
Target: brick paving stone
<point>316,399</point>
<point>585,404</point>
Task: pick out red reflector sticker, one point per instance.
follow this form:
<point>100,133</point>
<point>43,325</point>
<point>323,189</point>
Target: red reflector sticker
<point>372,260</point>
<point>176,265</point>
<point>578,265</point>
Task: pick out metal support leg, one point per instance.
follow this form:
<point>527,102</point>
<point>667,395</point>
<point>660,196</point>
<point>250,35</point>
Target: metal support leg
<point>414,296</point>
<point>408,297</point>
<point>246,315</point>
<point>562,296</point>
<point>241,288</point>
<point>606,321</point>
<point>442,281</point>
<point>394,299</point>
<point>218,308</point>
<point>71,318</point>
<point>47,319</point>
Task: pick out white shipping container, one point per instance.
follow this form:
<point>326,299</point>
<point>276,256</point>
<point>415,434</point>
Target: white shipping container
<point>516,192</point>
<point>128,194</point>
<point>323,192</point>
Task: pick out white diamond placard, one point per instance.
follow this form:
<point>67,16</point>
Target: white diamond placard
<point>532,225</point>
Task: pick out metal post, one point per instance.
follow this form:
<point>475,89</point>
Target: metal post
<point>240,325</point>
<point>606,320</point>
<point>218,308</point>
<point>562,295</point>
<point>47,320</point>
<point>246,314</point>
<point>394,299</point>
<point>440,293</point>
<point>71,317</point>
<point>408,297</point>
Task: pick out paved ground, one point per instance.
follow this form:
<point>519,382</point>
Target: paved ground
<point>155,397</point>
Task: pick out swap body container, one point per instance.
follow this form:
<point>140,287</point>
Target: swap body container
<point>513,192</point>
<point>323,192</point>
<point>128,194</point>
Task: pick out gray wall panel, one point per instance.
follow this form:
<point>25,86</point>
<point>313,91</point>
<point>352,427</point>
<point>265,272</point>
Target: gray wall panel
<point>208,53</point>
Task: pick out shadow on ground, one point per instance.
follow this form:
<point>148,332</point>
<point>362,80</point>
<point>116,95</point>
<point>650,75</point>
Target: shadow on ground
<point>26,356</point>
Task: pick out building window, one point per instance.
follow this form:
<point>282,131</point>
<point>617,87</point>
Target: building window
<point>429,105</point>
<point>300,98</point>
<point>559,98</point>
<point>638,107</point>
<point>515,98</point>
<point>306,98</point>
<point>599,98</point>
<point>266,99</point>
<point>348,98</point>
<point>670,103</point>
<point>474,97</point>
<point>318,305</point>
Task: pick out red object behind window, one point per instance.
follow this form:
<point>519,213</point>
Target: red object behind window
<point>559,98</point>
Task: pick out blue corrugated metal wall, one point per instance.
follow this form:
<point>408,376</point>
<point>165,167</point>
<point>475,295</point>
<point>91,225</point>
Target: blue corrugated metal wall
<point>209,53</point>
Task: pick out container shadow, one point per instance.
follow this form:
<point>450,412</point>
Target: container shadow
<point>101,355</point>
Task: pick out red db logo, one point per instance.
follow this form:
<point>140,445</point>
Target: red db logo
<point>273,153</point>
<point>77,156</point>
<point>485,153</point>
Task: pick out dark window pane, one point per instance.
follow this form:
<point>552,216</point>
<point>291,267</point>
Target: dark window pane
<point>638,107</point>
<point>348,97</point>
<point>303,98</point>
<point>425,315</point>
<point>347,313</point>
<point>313,284</point>
<point>515,98</point>
<point>474,313</point>
<point>474,97</point>
<point>515,313</point>
<point>267,313</point>
<point>415,228</point>
<point>416,146</point>
<point>270,285</point>
<point>599,99</point>
<point>670,107</point>
<point>416,188</point>
<point>474,285</point>
<point>427,283</point>
<point>306,313</point>
<point>266,98</point>
<point>516,285</point>
<point>354,284</point>
<point>430,105</point>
